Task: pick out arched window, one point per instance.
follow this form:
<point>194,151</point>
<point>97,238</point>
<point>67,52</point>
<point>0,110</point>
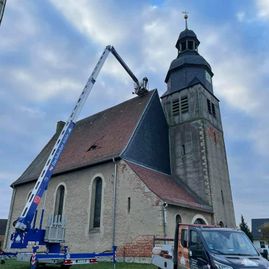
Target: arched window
<point>59,201</point>
<point>178,219</point>
<point>96,203</point>
<point>199,221</point>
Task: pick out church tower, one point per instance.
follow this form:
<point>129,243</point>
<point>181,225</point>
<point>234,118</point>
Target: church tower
<point>197,148</point>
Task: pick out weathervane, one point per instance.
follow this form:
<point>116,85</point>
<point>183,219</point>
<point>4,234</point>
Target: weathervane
<point>186,18</point>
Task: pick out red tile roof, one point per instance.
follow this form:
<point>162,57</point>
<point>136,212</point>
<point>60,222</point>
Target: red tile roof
<point>167,188</point>
<point>94,139</point>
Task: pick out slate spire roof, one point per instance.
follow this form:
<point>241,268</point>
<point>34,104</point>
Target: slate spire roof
<point>188,65</point>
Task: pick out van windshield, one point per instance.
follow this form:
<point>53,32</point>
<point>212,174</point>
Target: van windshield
<point>229,243</point>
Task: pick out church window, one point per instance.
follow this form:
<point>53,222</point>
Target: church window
<point>199,221</point>
<point>213,110</point>
<point>209,106</point>
<point>184,104</point>
<point>183,150</point>
<point>208,77</point>
<point>59,201</point>
<point>175,107</point>
<point>183,46</point>
<point>190,45</point>
<point>178,219</point>
<point>97,200</point>
<point>129,204</point>
<point>222,197</point>
<point>215,137</point>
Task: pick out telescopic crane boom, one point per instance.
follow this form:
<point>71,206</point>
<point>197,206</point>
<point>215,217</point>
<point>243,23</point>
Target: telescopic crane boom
<point>23,223</point>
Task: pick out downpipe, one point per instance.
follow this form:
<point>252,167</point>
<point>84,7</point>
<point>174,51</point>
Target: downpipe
<point>114,202</point>
<point>164,211</point>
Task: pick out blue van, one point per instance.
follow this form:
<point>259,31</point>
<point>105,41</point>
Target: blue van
<point>208,247</point>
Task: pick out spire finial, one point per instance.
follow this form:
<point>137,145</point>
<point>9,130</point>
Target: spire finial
<point>186,18</point>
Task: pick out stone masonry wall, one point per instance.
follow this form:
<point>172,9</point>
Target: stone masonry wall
<point>144,217</point>
<point>136,224</point>
<point>197,150</point>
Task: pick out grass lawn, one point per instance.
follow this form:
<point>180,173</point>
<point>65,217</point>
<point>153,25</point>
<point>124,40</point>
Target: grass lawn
<point>11,264</point>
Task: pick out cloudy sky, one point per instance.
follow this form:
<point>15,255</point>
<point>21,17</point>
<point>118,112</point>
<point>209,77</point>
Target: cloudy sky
<point>49,48</point>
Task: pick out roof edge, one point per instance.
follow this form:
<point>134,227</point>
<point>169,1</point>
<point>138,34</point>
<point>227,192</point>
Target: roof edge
<point>198,83</point>
<point>203,208</point>
<point>207,209</point>
<point>110,159</point>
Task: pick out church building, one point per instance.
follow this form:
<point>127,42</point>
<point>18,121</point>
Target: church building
<point>129,173</point>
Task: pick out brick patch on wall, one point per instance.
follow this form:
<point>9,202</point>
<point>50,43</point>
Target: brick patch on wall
<point>140,247</point>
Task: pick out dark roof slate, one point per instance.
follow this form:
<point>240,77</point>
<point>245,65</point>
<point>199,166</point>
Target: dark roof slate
<point>167,188</point>
<point>95,139</point>
<point>149,146</point>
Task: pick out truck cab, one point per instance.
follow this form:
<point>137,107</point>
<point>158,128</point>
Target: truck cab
<point>205,247</point>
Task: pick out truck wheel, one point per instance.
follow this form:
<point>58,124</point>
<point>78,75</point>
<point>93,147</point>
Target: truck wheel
<point>37,265</point>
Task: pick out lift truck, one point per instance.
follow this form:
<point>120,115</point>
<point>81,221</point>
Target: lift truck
<point>26,230</point>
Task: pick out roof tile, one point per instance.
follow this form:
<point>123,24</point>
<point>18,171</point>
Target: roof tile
<point>94,139</point>
<point>166,187</point>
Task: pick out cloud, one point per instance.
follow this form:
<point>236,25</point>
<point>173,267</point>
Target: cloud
<point>103,29</point>
<point>37,88</point>
<point>22,31</point>
<point>263,8</point>
<point>241,15</point>
<point>32,112</point>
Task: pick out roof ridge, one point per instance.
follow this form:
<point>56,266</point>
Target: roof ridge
<point>113,107</point>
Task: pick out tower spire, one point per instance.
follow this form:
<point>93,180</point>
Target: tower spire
<point>186,18</point>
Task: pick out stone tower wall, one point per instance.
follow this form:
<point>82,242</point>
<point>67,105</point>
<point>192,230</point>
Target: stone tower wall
<point>197,149</point>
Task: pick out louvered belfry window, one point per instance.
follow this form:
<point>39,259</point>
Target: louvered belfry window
<point>175,107</point>
<point>184,104</point>
<point>209,106</point>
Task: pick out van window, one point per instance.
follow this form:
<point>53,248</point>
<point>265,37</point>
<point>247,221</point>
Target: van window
<point>184,238</point>
<point>196,247</point>
<point>194,238</point>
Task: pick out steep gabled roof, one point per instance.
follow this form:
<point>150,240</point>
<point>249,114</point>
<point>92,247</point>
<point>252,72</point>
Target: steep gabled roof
<point>95,139</point>
<point>167,188</point>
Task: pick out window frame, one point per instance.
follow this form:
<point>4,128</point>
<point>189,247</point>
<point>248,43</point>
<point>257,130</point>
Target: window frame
<point>59,201</point>
<point>95,224</point>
